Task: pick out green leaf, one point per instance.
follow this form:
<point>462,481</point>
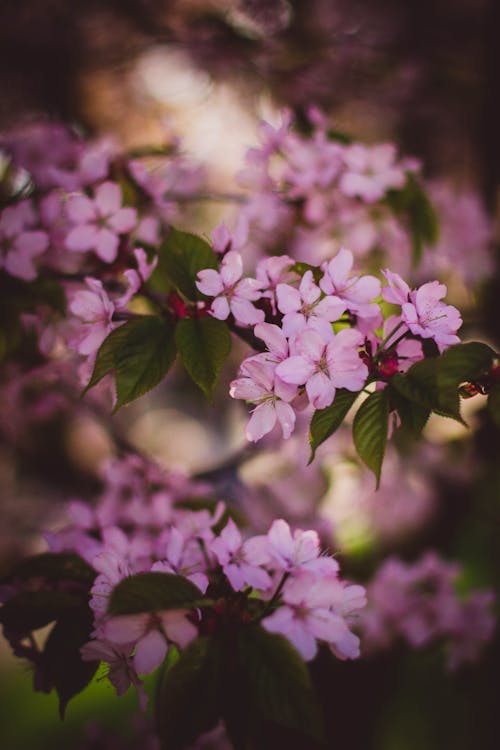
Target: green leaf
<point>277,682</point>
<point>181,257</point>
<point>420,385</point>
<point>189,696</point>
<point>62,663</point>
<point>31,610</point>
<point>55,566</point>
<point>325,422</point>
<point>203,344</point>
<point>300,268</point>
<point>412,204</point>
<point>140,353</point>
<point>413,416</point>
<point>369,430</point>
<point>494,404</point>
<point>152,592</point>
<point>462,363</point>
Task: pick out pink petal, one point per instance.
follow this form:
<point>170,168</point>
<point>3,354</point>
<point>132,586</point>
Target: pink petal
<point>83,237</point>
<point>210,282</point>
<point>80,209</point>
<point>246,389</point>
<point>150,652</point>
<point>289,299</point>
<point>330,308</point>
<point>295,370</point>
<point>231,268</point>
<point>261,422</point>
<point>308,289</point>
<point>320,390</point>
<point>125,628</point>
<point>178,628</point>
<point>108,198</point>
<point>220,308</point>
<point>106,246</point>
<point>32,243</point>
<point>245,313</point>
<point>273,338</point>
<point>286,417</point>
<point>123,220</point>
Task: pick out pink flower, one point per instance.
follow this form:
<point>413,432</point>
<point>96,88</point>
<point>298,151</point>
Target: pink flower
<point>231,552</point>
<point>370,171</point>
<point>306,616</point>
<point>273,271</point>
<point>232,293</point>
<point>288,553</point>
<point>184,559</point>
<point>151,634</point>
<point>358,292</point>
<point>95,311</point>
<point>397,292</point>
<point>19,244</point>
<point>304,305</point>
<point>428,317</point>
<point>100,221</point>
<point>121,672</point>
<point>422,310</point>
<point>261,386</point>
<point>323,366</point>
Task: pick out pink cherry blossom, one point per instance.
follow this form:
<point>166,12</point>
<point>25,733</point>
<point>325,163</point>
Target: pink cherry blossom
<point>370,171</point>
<point>286,552</point>
<point>232,293</point>
<point>151,634</point>
<point>428,317</point>
<point>323,366</point>
<point>20,243</point>
<point>358,292</point>
<point>94,310</point>
<point>273,271</point>
<point>307,305</point>
<point>306,616</point>
<point>232,554</point>
<point>397,290</point>
<point>273,396</point>
<point>99,222</point>
<point>121,672</point>
<point>183,558</point>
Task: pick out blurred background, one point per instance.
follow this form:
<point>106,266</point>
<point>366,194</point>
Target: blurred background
<point>199,75</point>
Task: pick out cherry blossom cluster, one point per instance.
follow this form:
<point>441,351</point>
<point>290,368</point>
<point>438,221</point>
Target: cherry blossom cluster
<point>420,603</point>
<point>139,524</point>
<point>67,211</point>
<point>316,192</point>
<point>304,357</point>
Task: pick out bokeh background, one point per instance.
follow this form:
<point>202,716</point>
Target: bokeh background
<point>147,72</point>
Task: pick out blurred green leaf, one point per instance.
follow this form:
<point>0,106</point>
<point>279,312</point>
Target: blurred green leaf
<point>412,204</point>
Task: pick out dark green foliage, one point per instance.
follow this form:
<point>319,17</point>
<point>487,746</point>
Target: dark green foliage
<point>369,430</point>
<point>140,353</point>
<point>204,345</point>
<point>180,258</point>
<point>325,422</point>
<point>152,592</point>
